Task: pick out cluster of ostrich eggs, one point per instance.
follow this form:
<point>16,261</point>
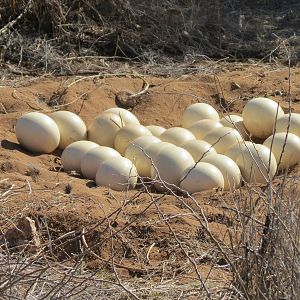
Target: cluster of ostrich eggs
<point>209,151</point>
<point>264,119</point>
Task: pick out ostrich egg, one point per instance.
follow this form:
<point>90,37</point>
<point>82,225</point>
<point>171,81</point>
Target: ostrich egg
<point>126,116</point>
<point>236,122</point>
<point>234,151</point>
<point>223,138</point>
<point>127,134</point>
<point>259,116</point>
<point>144,159</point>
<point>229,120</point>
<point>176,136</point>
<point>118,173</point>
<point>286,147</point>
<point>229,169</point>
<point>73,154</point>
<point>93,158</point>
<point>71,127</point>
<point>202,177</point>
<point>139,144</point>
<point>104,128</point>
<point>156,130</point>
<point>170,163</point>
<point>198,149</point>
<point>197,112</point>
<point>254,164</point>
<point>282,124</point>
<point>201,128</point>
<point>37,132</point>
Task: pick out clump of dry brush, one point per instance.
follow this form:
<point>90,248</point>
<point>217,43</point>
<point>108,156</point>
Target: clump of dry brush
<point>43,257</point>
<point>57,35</point>
<point>269,262</point>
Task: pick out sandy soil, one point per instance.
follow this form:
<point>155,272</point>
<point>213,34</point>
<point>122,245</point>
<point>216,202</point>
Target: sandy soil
<point>146,227</point>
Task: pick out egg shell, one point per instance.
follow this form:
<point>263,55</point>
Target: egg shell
<point>201,128</point>
<point>142,159</point>
<point>236,122</point>
<point>104,128</point>
<point>176,136</point>
<point>198,149</point>
<point>153,149</point>
<point>117,173</point>
<point>126,116</point>
<point>37,132</point>
<point>156,130</point>
<point>293,119</point>
<point>196,112</point>
<point>229,169</point>
<point>93,158</point>
<point>223,138</point>
<point>259,116</point>
<point>71,127</point>
<point>170,163</point>
<point>139,144</point>
<point>136,152</point>
<point>254,164</point>
<point>228,120</point>
<point>286,149</point>
<point>127,134</point>
<point>202,177</point>
<point>234,151</point>
<point>73,154</point>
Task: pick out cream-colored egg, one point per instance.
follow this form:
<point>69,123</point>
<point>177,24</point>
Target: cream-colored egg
<point>93,158</point>
<point>141,157</point>
<point>71,127</point>
<point>202,177</point>
<point>234,151</point>
<point>37,132</point>
<point>197,112</point>
<point>126,116</point>
<point>118,173</point>
<point>136,149</point>
<point>198,149</point>
<point>236,122</point>
<point>254,164</point>
<point>156,130</point>
<point>223,138</point>
<point>153,149</point>
<point>259,116</point>
<point>293,119</point>
<point>104,128</point>
<point>73,154</point>
<point>127,134</point>
<point>170,163</point>
<point>229,169</point>
<point>139,144</point>
<point>229,120</point>
<point>285,148</point>
<point>201,128</point>
<point>177,136</point>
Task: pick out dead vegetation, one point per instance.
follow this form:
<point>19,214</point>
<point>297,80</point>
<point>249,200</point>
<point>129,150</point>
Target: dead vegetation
<point>61,244</point>
<point>66,37</point>
<point>145,249</point>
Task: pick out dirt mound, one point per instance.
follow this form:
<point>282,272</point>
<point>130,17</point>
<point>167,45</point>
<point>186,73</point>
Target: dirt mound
<point>138,234</point>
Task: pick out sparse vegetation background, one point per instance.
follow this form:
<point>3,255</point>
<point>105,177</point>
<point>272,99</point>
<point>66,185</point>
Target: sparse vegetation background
<point>55,36</point>
<point>58,241</point>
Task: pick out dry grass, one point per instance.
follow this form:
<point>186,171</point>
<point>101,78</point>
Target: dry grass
<point>41,259</point>
<point>65,37</point>
<point>262,255</point>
